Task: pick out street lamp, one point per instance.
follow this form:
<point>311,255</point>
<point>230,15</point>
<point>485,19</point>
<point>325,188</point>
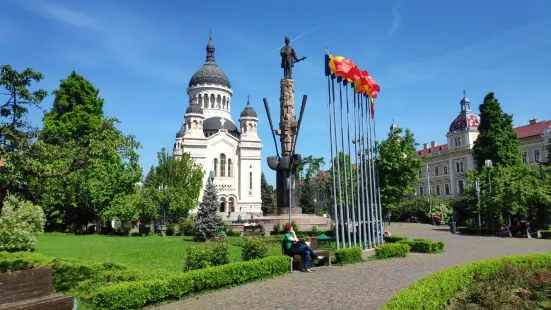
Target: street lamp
<point>489,165</point>
<point>212,175</point>
<point>162,187</point>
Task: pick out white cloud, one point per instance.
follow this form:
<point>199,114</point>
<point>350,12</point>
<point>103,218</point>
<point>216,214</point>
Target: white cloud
<point>475,56</point>
<point>124,36</point>
<point>395,17</point>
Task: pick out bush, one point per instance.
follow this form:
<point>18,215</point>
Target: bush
<point>295,227</point>
<point>233,233</point>
<point>133,295</point>
<point>215,254</point>
<point>349,255</point>
<point>437,247</point>
<point>253,248</point>
<point>170,229</point>
<point>394,239</point>
<point>436,290</point>
<point>22,260</point>
<point>390,250</point>
<point>276,228</point>
<point>420,246</point>
<point>187,227</point>
<point>545,234</point>
<point>314,230</point>
<point>20,224</point>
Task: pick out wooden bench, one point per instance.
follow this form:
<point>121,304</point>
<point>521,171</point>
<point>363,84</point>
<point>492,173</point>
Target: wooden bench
<point>297,261</point>
<point>31,290</point>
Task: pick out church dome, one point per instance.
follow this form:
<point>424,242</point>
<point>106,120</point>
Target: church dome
<point>209,73</point>
<point>466,119</point>
<point>194,108</point>
<point>217,123</point>
<point>248,111</point>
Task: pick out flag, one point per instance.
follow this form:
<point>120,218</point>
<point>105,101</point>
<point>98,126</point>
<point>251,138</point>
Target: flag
<point>372,101</point>
<point>327,69</point>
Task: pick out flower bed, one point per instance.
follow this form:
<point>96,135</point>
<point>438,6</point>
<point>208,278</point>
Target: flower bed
<point>436,291</point>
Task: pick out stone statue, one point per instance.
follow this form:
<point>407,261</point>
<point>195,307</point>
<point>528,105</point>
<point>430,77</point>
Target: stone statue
<point>288,59</point>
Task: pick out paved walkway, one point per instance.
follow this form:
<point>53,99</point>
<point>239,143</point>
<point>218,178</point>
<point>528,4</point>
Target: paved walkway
<point>366,285</point>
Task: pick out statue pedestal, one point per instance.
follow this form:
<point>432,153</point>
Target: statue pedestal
<point>288,127</point>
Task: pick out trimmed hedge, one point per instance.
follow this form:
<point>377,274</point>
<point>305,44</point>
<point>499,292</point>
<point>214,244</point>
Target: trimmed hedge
<point>394,239</point>
<point>435,291</point>
<point>423,245</point>
<point>22,260</point>
<point>136,294</point>
<point>390,250</point>
<point>545,234</point>
<point>349,255</point>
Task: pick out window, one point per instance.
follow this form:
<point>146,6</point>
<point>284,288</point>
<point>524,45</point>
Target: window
<point>457,141</point>
<point>436,170</point>
<point>445,169</point>
<point>437,190</point>
<point>447,189</point>
<point>222,165</point>
<point>524,157</point>
<point>421,190</point>
<point>420,173</point>
<point>536,155</point>
<point>215,166</point>
<point>250,181</point>
<point>229,168</point>
<point>461,186</point>
<point>459,166</point>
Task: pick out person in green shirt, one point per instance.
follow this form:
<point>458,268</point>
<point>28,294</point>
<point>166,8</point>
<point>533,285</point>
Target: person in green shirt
<point>295,247</point>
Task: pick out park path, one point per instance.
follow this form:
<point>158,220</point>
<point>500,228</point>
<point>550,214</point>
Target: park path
<point>366,285</point>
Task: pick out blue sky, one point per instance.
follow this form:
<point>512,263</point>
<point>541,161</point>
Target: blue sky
<point>422,53</point>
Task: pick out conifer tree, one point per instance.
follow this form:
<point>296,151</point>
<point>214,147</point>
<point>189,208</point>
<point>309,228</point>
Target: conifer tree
<point>266,191</point>
<point>497,140</point>
<point>209,223</point>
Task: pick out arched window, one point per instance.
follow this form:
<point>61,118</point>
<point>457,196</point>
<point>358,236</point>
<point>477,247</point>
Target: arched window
<point>215,167</point>
<point>222,165</point>
<point>229,168</point>
<point>222,204</point>
<point>231,205</point>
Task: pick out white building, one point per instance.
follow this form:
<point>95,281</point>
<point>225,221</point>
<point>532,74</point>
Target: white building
<point>213,139</point>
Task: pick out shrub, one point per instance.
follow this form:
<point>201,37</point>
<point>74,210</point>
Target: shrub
<point>276,228</point>
<point>20,224</point>
<point>394,239</point>
<point>420,246</point>
<point>187,227</point>
<point>295,227</point>
<point>314,230</point>
<point>349,255</point>
<point>546,234</point>
<point>133,295</point>
<point>436,290</point>
<point>390,250</point>
<point>233,233</point>
<point>220,253</point>
<point>437,246</point>
<point>197,258</point>
<point>253,248</point>
<point>170,229</point>
<point>22,260</point>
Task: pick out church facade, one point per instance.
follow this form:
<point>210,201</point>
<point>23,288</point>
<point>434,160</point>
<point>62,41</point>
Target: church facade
<point>211,137</point>
<point>444,171</point>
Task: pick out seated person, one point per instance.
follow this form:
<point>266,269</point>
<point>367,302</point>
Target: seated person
<point>295,247</point>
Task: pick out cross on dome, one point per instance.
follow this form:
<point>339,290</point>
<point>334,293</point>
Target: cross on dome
<point>222,121</point>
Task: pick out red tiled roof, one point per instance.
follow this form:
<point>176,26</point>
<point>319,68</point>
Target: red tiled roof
<point>437,148</point>
<point>532,130</point>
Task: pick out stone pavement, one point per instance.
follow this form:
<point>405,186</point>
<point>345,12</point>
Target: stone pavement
<point>366,285</point>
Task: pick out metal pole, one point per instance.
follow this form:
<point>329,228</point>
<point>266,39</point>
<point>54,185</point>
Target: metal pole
<point>290,196</point>
<point>361,214</point>
<point>367,177</point>
<point>377,216</point>
<point>376,204</point>
<point>353,205</point>
<point>477,184</point>
<point>428,198</point>
<point>338,164</point>
<point>335,213</point>
<point>377,184</point>
<point>345,172</point>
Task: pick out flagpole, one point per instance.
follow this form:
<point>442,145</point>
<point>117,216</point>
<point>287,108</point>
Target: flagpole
<point>349,166</point>
<point>376,168</point>
<point>367,177</point>
<point>361,215</point>
<point>338,162</point>
<point>345,169</point>
<point>335,213</point>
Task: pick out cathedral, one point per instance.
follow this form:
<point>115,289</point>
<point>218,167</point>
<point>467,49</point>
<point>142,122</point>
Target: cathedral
<point>211,137</point>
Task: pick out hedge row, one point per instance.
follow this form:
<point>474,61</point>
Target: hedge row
<point>418,245</point>
<point>394,239</point>
<point>349,255</point>
<point>136,294</point>
<point>391,250</point>
<point>436,291</point>
<point>545,234</point>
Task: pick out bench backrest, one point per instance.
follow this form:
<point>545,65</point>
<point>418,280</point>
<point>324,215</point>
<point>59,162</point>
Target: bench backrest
<point>25,284</point>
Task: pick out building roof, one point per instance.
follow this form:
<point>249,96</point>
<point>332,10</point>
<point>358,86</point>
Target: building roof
<point>194,108</point>
<point>433,149</point>
<point>209,73</point>
<point>248,111</point>
<point>535,128</point>
<point>217,123</point>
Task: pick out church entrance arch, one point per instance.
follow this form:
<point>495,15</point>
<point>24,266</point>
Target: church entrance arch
<point>231,204</point>
<point>222,207</point>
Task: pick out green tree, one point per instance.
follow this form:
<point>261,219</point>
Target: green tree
<point>81,161</point>
<point>399,166</point>
<point>16,132</point>
<point>181,180</point>
<point>497,140</point>
<point>549,152</point>
<point>209,223</point>
<point>307,197</point>
<point>267,194</point>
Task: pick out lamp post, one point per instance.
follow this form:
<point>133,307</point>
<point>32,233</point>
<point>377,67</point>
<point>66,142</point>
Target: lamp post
<point>162,211</point>
<point>477,186</point>
<point>212,175</point>
<point>489,165</point>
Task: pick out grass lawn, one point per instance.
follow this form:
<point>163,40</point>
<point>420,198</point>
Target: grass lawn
<point>152,255</point>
